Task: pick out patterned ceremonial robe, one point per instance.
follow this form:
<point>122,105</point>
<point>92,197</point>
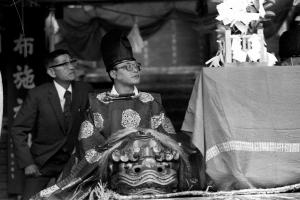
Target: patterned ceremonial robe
<point>109,114</point>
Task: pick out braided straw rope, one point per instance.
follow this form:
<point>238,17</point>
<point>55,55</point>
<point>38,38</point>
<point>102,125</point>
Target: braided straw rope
<point>112,195</point>
<point>289,188</point>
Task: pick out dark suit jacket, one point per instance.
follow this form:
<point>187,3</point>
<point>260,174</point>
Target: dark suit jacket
<point>42,115</point>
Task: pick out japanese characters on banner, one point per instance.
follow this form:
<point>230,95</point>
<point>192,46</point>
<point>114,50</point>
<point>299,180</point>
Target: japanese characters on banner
<point>23,77</point>
<point>23,49</point>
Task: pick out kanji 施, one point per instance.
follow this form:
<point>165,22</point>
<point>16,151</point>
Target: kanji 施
<point>24,77</point>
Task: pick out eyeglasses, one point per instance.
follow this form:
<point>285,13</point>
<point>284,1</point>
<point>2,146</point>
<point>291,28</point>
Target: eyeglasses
<point>73,61</point>
<point>130,66</point>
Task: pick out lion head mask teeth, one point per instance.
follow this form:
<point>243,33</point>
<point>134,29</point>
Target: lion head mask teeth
<point>144,166</point>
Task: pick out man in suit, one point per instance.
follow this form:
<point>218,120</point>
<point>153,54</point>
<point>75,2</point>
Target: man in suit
<point>52,113</point>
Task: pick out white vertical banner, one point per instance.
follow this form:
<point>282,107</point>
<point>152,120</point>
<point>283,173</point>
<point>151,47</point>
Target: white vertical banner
<point>51,29</point>
<point>0,43</point>
<point>1,103</point>
<point>136,39</point>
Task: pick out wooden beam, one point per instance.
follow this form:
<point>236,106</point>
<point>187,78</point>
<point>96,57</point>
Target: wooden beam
<point>106,1</point>
<point>76,2</point>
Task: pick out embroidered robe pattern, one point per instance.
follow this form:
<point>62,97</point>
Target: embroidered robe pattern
<point>107,116</point>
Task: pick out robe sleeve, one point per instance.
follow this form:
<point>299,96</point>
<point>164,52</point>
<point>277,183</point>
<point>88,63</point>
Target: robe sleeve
<point>90,131</point>
<point>159,120</point>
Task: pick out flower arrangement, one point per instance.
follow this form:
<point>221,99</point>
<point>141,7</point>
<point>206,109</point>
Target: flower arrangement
<point>243,20</point>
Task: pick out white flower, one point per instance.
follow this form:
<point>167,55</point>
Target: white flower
<point>145,97</point>
<point>130,119</point>
<point>92,156</point>
<point>98,120</point>
<point>86,130</point>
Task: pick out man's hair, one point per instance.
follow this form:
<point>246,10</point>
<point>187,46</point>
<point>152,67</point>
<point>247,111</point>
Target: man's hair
<point>52,55</point>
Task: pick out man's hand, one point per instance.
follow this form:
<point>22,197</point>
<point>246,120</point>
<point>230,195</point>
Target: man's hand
<point>32,170</point>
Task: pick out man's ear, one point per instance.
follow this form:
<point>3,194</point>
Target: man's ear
<point>113,74</point>
<point>51,72</point>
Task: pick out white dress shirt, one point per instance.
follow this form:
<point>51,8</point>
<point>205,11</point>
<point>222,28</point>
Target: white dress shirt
<point>61,92</point>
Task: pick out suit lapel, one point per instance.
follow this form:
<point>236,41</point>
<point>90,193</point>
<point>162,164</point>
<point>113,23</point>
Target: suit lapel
<point>55,103</point>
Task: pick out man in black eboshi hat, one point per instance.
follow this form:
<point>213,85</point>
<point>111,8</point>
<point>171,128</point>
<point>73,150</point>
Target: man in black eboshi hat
<point>120,63</point>
<point>124,106</point>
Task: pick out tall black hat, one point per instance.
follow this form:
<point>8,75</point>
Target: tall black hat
<point>115,48</point>
<point>289,43</point>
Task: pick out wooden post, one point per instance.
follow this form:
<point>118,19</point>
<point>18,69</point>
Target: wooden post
<point>228,53</point>
<point>260,33</point>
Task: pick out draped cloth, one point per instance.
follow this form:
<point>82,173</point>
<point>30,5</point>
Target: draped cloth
<point>246,123</point>
<point>82,28</point>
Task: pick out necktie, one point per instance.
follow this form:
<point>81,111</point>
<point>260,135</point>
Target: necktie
<point>67,109</point>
